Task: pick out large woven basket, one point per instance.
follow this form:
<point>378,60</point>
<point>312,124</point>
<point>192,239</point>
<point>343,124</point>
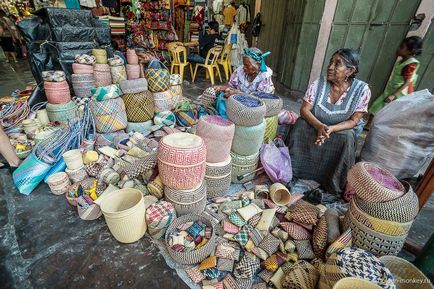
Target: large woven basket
<point>139,106</point>
<point>248,139</point>
<point>406,275</point>
<point>57,92</point>
<point>102,75</point>
<point>218,177</point>
<point>377,243</point>
<point>373,183</point>
<point>245,110</point>
<point>133,71</point>
<point>132,57</point>
<point>242,165</point>
<point>195,256</point>
<point>403,209</point>
<point>163,100</point>
<point>134,85</point>
<point>79,68</point>
<point>109,115</point>
<point>61,112</point>
<point>187,201</point>
<point>272,123</point>
<point>181,160</point>
<point>272,102</point>
<point>158,79</point>
<point>217,133</point>
<point>118,73</point>
<point>82,84</point>
<point>355,283</point>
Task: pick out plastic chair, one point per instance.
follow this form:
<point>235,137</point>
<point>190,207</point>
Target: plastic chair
<point>210,63</point>
<point>225,60</point>
<point>179,54</point>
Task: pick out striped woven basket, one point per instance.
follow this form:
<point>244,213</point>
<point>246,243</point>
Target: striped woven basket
<point>134,85</point>
<point>100,55</point>
<point>218,177</point>
<point>57,92</point>
<point>403,209</point>
<point>181,160</point>
<point>158,78</point>
<point>102,75</point>
<point>133,71</point>
<point>195,256</point>
<point>242,165</point>
<point>163,100</point>
<point>245,110</point>
<point>79,68</point>
<point>248,139</point>
<point>118,73</point>
<point>217,133</point>
<point>61,112</point>
<point>109,115</point>
<point>271,128</point>
<point>272,102</point>
<point>139,106</point>
<point>82,84</point>
<point>372,183</point>
<point>187,201</point>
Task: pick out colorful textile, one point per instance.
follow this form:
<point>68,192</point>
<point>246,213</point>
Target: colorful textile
<point>269,244</point>
<point>236,219</point>
<point>106,92</point>
<point>243,235</point>
<point>263,81</point>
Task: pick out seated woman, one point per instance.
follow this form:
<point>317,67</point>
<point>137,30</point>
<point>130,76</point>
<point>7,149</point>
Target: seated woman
<point>253,76</point>
<point>323,141</point>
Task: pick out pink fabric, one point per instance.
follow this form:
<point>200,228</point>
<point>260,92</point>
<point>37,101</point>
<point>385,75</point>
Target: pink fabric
<point>57,92</point>
<point>362,106</point>
<point>384,179</point>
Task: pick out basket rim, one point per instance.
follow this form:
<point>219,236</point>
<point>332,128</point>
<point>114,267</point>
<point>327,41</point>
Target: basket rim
<point>390,261</point>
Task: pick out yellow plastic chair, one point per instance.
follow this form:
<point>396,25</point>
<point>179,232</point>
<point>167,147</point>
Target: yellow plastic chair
<point>225,60</point>
<point>210,64</point>
<point>180,61</point>
<point>170,47</point>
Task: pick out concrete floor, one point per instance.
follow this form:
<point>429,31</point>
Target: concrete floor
<point>44,244</point>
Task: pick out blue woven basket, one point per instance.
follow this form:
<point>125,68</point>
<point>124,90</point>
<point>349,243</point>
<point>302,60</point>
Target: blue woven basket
<point>248,139</point>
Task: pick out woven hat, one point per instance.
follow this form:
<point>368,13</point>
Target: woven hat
<point>245,110</point>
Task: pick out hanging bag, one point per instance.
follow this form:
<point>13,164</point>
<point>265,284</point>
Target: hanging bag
<point>158,76</point>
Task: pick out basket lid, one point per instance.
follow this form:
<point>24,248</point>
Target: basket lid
<point>183,140</point>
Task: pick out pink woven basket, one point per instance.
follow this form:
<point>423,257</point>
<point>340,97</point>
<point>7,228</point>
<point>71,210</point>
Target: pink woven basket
<point>57,92</point>
<point>217,133</point>
<point>133,71</point>
<point>102,75</point>
<point>132,59</point>
<point>79,68</point>
<point>181,160</point>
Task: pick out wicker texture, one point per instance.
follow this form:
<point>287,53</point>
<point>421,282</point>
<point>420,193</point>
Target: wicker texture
<point>355,283</point>
<point>58,183</point>
<point>319,238</point>
<point>118,73</point>
<point>139,106</point>
<point>163,100</point>
<point>159,216</point>
<point>301,275</point>
<point>248,139</point>
<point>57,92</point>
<point>102,75</point>
<point>90,213</point>
<point>79,68</point>
<point>109,115</point>
<point>242,165</point>
<point>82,84</point>
<point>158,79</point>
<point>132,57</point>
<point>245,110</point>
<point>187,201</point>
<point>271,125</point>
<point>273,103</point>
<point>133,71</point>
<point>217,134</point>
<point>194,256</point>
<point>100,55</point>
<point>61,112</point>
<point>295,231</point>
<point>181,168</point>
<point>218,177</point>
<point>134,85</point>
<point>372,183</point>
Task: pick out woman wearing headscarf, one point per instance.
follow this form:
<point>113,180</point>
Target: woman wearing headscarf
<point>323,141</point>
<point>253,76</point>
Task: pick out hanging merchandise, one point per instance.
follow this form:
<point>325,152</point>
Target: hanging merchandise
<point>239,43</point>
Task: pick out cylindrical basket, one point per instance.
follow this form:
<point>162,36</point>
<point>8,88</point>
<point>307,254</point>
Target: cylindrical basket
<point>109,115</point>
<point>82,84</point>
<point>279,194</point>
<point>132,57</point>
<point>61,112</point>
<point>118,73</point>
<point>163,100</point>
<point>79,68</point>
<point>102,75</point>
<point>245,110</point>
<point>124,213</point>
<point>139,106</point>
<point>272,103</point>
<point>73,159</point>
<point>134,85</point>
<point>242,165</point>
<point>187,201</point>
<point>76,175</point>
<point>100,55</point>
<point>248,139</point>
<point>57,92</point>
<point>271,127</point>
<point>217,133</point>
<point>58,183</point>
<point>181,160</point>
<point>195,256</point>
<point>218,177</point>
<point>133,71</point>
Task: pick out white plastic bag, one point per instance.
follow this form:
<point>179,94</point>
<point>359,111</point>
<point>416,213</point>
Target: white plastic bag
<point>402,135</point>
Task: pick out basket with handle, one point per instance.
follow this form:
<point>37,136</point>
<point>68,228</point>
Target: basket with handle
<point>158,76</point>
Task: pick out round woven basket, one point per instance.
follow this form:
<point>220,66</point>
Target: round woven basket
<point>57,92</point>
<point>355,283</point>
<point>133,71</point>
<point>118,73</point>
<point>76,175</point>
<point>134,85</point>
<point>405,271</point>
<point>139,106</point>
<point>279,194</point>
<point>372,183</point>
<point>79,68</point>
<point>187,201</point>
<point>195,256</point>
<point>217,133</point>
<point>218,177</point>
<point>132,57</point>
<point>403,209</point>
<point>272,124</point>
<point>82,84</point>
<point>377,243</point>
<point>100,55</point>
<point>242,165</point>
<point>58,183</point>
<point>73,159</point>
<point>272,103</point>
<point>110,115</point>
<point>163,100</point>
<point>218,170</point>
<point>139,126</point>
<point>248,139</point>
<point>245,110</point>
<point>181,160</point>
<point>90,213</point>
<point>102,75</point>
<point>61,112</point>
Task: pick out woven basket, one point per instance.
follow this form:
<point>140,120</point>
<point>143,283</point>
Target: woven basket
<point>163,100</point>
<point>403,209</point>
<point>139,106</point>
<point>242,165</point>
<point>373,183</point>
<point>245,110</point>
<point>57,92</point>
<point>355,283</point>
<point>195,256</point>
<point>118,73</point>
<point>403,270</point>
<point>102,75</point>
<point>61,112</point>
<point>73,159</point>
<point>279,194</point>
<point>218,177</point>
<point>217,133</point>
<point>133,71</point>
<point>187,201</point>
<point>109,115</point>
<point>134,85</point>
<point>165,118</point>
<point>139,126</point>
<point>272,123</point>
<point>181,160</point>
<point>100,55</point>
<point>158,79</point>
<point>159,216</point>
<point>58,183</point>
<point>91,213</point>
<point>132,57</point>
<point>76,175</point>
<point>82,84</point>
<point>79,68</point>
<point>377,243</point>
<point>248,139</point>
<point>272,103</point>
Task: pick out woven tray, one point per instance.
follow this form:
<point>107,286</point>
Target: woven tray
<point>196,256</point>
<point>241,113</point>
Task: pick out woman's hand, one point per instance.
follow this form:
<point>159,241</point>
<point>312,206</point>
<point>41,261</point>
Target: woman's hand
<point>323,133</point>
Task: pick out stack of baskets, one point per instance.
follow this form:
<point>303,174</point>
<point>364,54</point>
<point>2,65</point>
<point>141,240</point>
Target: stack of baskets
<point>247,113</point>
<point>139,104</point>
<point>117,70</point>
<point>273,104</point>
<point>217,134</point>
<point>181,164</point>
<point>133,67</point>
<point>382,209</point>
<point>158,78</point>
<point>74,165</point>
